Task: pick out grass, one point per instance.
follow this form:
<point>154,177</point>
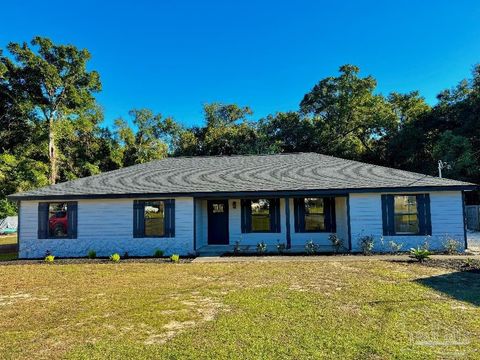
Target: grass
<point>244,310</point>
<point>8,239</point>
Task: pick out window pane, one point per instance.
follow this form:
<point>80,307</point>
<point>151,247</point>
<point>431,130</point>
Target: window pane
<point>314,222</point>
<point>406,219</point>
<point>406,223</point>
<point>218,208</point>
<point>405,204</point>
<point>314,214</point>
<point>154,218</point>
<point>260,215</point>
<point>57,220</point>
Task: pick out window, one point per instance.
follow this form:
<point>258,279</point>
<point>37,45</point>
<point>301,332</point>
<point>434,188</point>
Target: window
<point>154,214</point>
<point>154,218</point>
<point>315,214</point>
<point>406,214</point>
<point>57,220</point>
<point>260,215</point>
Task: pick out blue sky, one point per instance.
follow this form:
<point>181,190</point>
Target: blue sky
<point>173,56</point>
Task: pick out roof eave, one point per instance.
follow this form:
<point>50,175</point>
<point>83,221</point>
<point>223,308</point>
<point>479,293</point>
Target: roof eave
<point>217,194</point>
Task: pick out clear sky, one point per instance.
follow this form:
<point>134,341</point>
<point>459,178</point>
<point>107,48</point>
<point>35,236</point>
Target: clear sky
<point>173,56</point>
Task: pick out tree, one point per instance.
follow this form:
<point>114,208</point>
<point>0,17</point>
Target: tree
<point>56,83</point>
<point>146,143</point>
<point>349,118</point>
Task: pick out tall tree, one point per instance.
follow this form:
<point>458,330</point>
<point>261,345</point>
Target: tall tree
<point>57,84</point>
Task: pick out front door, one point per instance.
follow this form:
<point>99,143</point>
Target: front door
<point>218,222</point>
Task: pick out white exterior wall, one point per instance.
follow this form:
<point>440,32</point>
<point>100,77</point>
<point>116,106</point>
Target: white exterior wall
<point>105,226</point>
<point>446,209</point>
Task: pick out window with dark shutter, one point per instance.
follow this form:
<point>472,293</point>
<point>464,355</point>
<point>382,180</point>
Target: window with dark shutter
<point>314,214</point>
<point>153,218</point>
<point>406,214</point>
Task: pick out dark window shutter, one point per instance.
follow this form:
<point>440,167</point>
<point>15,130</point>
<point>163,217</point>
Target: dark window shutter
<point>388,217</point>
<point>275,215</point>
<point>246,216</point>
<point>42,220</point>
<point>138,218</point>
<point>424,216</point>
<point>170,218</point>
<point>72,218</point>
<point>329,211</point>
<point>299,214</point>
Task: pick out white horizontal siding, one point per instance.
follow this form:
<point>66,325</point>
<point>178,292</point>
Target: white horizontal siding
<point>446,214</point>
<point>106,226</point>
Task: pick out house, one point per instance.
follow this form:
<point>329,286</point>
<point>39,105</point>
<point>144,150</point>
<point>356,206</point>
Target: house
<point>205,205</point>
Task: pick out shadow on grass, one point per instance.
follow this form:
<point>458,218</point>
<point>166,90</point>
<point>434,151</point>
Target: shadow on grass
<point>463,285</point>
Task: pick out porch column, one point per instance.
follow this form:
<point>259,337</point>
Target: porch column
<point>287,222</point>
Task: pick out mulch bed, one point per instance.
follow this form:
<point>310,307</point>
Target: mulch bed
<point>470,265</point>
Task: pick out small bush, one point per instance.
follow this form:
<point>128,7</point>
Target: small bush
<point>310,247</point>
<point>49,259</point>
<point>471,263</point>
<point>115,257</point>
<point>420,254</point>
<point>336,242</point>
<point>261,247</point>
<point>451,246</point>
<point>92,254</point>
<point>366,244</point>
<point>125,255</point>
<point>158,253</point>
<point>394,247</point>
<point>175,258</point>
<point>281,247</point>
<point>236,248</point>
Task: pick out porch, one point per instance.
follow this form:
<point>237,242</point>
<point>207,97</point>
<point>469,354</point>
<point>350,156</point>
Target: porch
<point>223,225</point>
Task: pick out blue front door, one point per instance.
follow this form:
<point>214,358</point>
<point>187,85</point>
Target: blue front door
<point>218,222</point>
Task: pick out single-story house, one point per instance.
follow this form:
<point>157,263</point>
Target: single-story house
<point>209,205</point>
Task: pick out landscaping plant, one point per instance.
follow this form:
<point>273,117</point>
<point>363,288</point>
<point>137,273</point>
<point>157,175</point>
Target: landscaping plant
<point>261,248</point>
<point>281,247</point>
<point>310,247</point>
<point>158,253</point>
<point>366,244</point>
<point>420,254</point>
<point>92,254</point>
<point>394,247</point>
<point>115,257</point>
<point>336,242</point>
<point>236,248</point>
<point>49,259</point>
<point>175,258</point>
<point>450,245</point>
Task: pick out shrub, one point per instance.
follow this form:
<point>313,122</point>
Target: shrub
<point>366,244</point>
<point>236,248</point>
<point>261,247</point>
<point>310,247</point>
<point>471,263</point>
<point>92,254</point>
<point>336,242</point>
<point>394,247</point>
<point>450,246</point>
<point>125,255</point>
<point>281,247</point>
<point>175,258</point>
<point>419,254</point>
<point>49,259</point>
<point>115,257</point>
<point>158,253</point>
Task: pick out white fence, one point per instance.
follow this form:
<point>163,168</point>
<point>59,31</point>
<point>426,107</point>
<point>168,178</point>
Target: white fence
<point>473,217</point>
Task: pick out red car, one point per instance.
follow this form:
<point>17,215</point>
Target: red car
<point>57,224</point>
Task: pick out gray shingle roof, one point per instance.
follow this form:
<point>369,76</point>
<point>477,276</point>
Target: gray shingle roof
<point>227,174</point>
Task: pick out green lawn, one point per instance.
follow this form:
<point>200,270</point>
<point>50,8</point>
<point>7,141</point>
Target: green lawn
<point>250,310</point>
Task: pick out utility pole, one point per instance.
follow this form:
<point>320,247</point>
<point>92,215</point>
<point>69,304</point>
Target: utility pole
<point>442,165</point>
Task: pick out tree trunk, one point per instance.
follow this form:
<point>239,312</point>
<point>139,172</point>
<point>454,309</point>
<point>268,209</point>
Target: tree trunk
<point>52,153</point>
